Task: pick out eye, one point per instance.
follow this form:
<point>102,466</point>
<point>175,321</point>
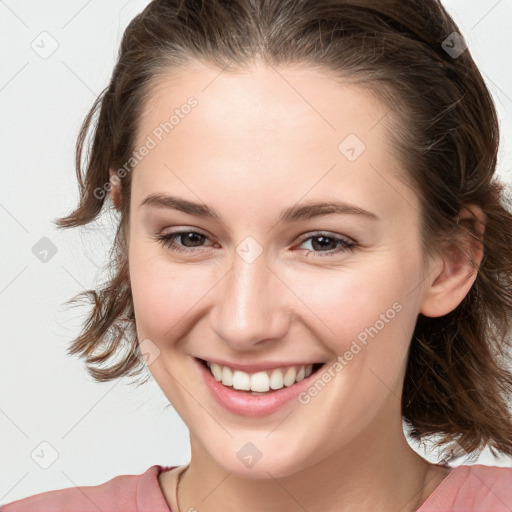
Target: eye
<point>188,240</point>
<point>322,240</point>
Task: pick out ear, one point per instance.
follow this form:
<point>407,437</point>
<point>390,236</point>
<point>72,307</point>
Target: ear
<point>115,189</point>
<point>456,267</point>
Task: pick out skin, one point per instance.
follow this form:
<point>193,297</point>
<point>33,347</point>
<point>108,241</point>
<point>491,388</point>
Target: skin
<point>257,142</point>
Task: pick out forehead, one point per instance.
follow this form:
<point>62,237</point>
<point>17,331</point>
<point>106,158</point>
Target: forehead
<point>265,130</point>
<point>264,98</point>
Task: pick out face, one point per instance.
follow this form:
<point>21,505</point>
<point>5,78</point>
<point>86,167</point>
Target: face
<point>266,281</point>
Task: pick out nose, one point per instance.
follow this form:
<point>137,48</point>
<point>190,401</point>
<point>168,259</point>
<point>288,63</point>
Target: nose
<point>250,306</point>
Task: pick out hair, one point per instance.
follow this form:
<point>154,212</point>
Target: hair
<point>445,131</point>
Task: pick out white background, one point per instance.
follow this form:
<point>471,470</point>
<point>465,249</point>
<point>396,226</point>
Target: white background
<point>100,430</point>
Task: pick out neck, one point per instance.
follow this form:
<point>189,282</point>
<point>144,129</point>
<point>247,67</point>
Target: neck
<point>378,472</point>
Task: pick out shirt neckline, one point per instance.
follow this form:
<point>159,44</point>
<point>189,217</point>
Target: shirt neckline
<point>437,491</point>
<point>423,508</point>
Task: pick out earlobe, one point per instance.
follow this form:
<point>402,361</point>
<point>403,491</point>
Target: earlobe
<point>456,268</point>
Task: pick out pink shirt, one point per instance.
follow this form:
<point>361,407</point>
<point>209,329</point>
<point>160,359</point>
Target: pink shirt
<point>476,488</point>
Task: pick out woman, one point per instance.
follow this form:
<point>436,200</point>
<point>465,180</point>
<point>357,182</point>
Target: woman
<point>312,248</point>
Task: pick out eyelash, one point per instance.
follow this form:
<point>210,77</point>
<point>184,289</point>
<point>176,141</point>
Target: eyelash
<point>167,241</point>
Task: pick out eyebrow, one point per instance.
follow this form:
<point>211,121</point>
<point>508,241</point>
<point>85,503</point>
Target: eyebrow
<point>292,214</point>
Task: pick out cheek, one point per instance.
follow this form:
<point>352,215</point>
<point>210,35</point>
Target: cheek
<point>166,296</point>
<point>162,292</point>
<point>359,303</point>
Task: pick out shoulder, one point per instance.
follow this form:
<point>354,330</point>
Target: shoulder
<point>475,488</point>
<point>124,492</point>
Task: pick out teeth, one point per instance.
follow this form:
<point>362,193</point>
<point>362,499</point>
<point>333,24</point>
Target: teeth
<point>276,379</point>
<point>289,376</point>
<point>260,382</point>
<point>227,376</point>
<point>242,380</point>
<point>216,371</point>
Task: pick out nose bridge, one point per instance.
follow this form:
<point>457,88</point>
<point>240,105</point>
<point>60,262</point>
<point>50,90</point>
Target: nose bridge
<point>249,308</point>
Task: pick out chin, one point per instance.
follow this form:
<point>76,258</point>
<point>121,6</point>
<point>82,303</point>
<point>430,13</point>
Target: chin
<point>260,459</point>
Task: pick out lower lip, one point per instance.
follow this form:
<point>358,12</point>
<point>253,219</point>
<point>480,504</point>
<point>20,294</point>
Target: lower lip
<point>244,404</point>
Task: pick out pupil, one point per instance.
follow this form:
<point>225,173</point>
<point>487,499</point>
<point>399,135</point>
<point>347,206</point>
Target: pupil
<point>327,242</point>
<point>189,237</point>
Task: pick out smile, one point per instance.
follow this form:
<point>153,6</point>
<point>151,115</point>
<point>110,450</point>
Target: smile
<point>261,381</point>
<point>256,390</point>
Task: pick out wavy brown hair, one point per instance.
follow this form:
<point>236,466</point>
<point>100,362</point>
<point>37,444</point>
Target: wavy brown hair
<point>442,123</point>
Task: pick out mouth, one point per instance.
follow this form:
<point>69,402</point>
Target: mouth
<point>262,382</point>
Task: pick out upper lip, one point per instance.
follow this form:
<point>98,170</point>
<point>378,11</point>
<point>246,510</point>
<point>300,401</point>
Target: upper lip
<point>257,367</point>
